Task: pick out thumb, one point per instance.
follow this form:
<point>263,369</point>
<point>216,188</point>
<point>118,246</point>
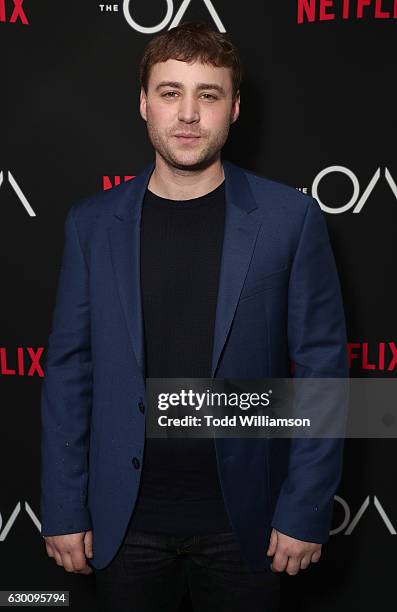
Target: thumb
<point>88,549</point>
<point>272,544</point>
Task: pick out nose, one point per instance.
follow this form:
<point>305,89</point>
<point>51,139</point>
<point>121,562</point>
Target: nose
<point>188,110</point>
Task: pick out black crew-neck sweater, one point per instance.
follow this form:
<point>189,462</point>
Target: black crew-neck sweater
<point>181,247</point>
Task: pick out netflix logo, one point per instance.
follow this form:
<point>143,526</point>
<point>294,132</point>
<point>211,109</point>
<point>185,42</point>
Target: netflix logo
<point>11,11</point>
<point>329,10</point>
<point>108,182</point>
<point>21,362</point>
<point>380,357</point>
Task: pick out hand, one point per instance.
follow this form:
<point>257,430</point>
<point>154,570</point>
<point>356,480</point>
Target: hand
<point>70,551</point>
<point>291,554</point>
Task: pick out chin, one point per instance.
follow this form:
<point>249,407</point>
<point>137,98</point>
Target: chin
<point>193,162</point>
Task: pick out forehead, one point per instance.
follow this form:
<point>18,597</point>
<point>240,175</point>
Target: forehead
<point>190,74</point>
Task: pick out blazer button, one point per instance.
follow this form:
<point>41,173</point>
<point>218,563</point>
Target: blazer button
<point>136,463</point>
<point>141,407</point>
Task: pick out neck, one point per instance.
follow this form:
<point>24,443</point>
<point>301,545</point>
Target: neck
<point>173,183</point>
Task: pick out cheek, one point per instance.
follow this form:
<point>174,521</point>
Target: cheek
<point>159,116</point>
<point>216,119</point>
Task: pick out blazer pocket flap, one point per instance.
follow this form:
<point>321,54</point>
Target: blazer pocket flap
<point>269,281</point>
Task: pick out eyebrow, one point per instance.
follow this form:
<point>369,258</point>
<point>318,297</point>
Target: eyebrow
<point>199,86</point>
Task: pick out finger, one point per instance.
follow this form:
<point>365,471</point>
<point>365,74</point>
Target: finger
<point>293,565</point>
<point>58,557</point>
<point>49,549</point>
<point>79,561</point>
<point>88,549</point>
<point>280,561</point>
<point>272,544</point>
<point>67,561</point>
<point>316,556</point>
<point>305,561</point>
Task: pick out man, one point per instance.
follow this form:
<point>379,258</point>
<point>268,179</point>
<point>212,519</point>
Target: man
<point>196,268</point>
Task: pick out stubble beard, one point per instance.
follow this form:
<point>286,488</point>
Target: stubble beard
<point>196,158</point>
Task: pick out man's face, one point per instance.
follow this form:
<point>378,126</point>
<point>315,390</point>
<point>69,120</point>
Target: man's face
<point>188,100</point>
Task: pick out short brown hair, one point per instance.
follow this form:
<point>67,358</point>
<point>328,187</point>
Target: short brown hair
<point>192,41</point>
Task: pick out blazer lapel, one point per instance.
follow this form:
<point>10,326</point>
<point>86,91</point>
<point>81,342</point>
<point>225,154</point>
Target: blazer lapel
<point>240,233</point>
<point>124,236</point>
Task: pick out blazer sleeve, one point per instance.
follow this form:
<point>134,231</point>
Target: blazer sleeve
<point>66,397</point>
<point>317,342</point>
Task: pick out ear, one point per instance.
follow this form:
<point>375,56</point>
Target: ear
<point>235,111</point>
<point>142,104</point>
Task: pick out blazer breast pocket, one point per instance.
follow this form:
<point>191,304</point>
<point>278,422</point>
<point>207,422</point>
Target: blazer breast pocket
<point>278,278</point>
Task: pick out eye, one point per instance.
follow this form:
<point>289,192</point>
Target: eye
<point>210,96</point>
<point>168,92</point>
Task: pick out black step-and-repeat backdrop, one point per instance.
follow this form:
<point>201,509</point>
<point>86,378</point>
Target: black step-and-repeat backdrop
<point>318,112</point>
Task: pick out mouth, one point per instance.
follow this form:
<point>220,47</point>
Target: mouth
<point>187,137</point>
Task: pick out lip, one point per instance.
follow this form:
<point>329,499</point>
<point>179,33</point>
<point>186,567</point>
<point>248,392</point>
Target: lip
<point>187,140</point>
<point>187,136</point>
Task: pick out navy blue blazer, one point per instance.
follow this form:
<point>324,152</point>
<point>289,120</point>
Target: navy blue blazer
<point>279,299</point>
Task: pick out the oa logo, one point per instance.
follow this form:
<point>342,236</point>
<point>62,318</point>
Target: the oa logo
<point>128,6</point>
<point>357,200</point>
<point>5,527</point>
<point>18,191</point>
<point>348,523</point>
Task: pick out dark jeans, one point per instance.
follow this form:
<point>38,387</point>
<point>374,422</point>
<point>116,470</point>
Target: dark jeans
<point>152,572</point>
